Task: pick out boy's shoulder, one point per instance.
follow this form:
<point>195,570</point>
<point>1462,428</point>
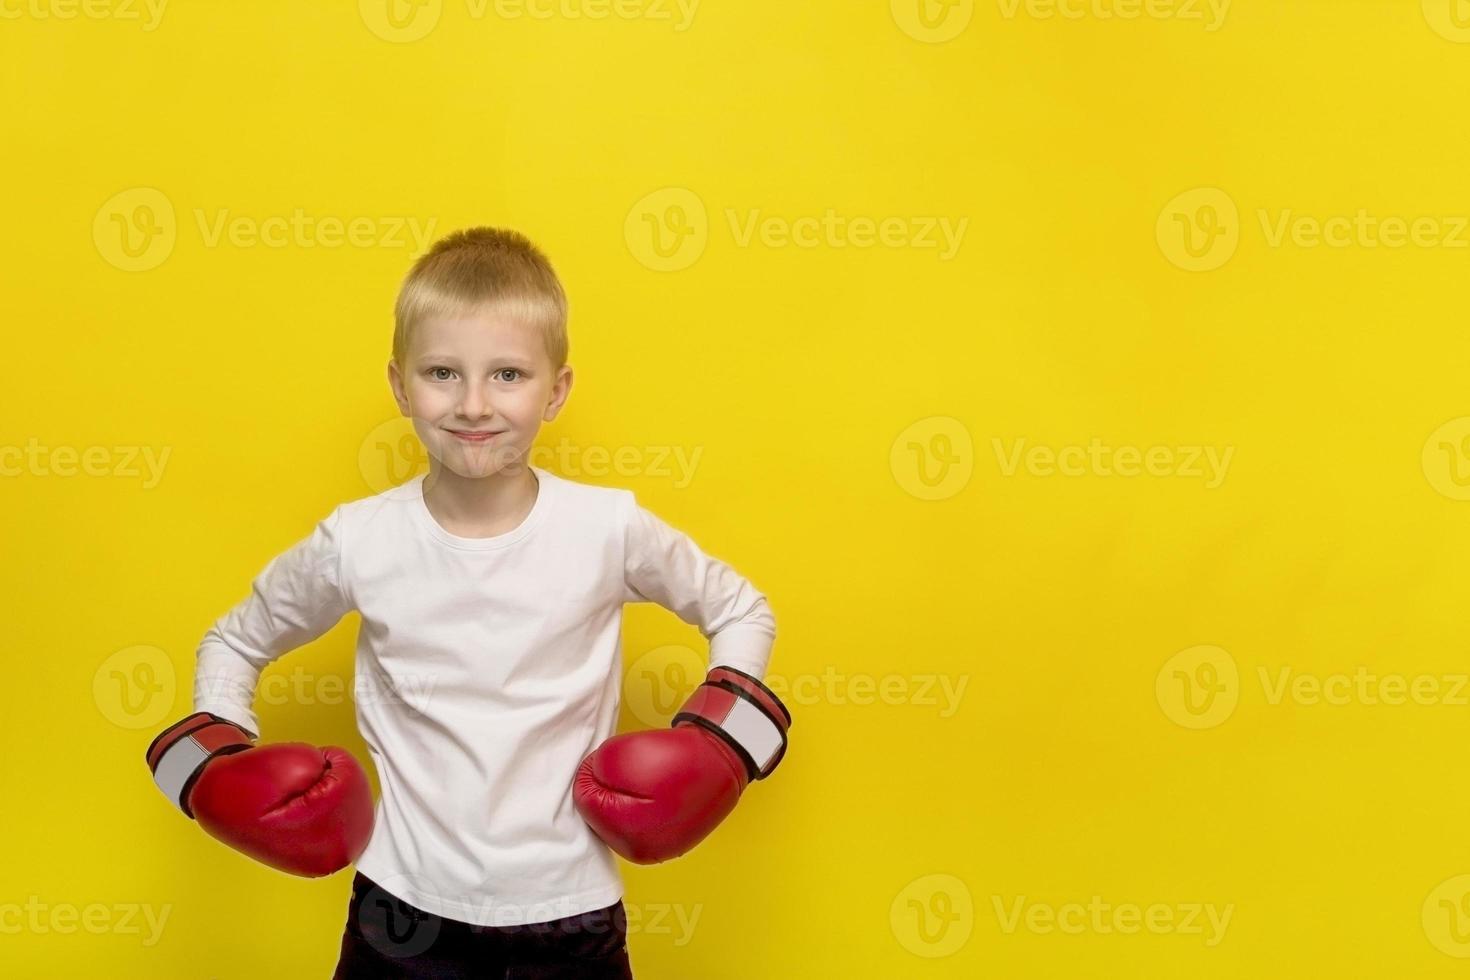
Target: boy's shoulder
<point>398,499</point>
<point>585,503</point>
<point>568,487</point>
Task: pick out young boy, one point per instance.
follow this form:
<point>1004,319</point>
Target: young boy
<point>491,596</point>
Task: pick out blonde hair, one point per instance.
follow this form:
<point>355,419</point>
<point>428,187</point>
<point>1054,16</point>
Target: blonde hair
<point>476,267</point>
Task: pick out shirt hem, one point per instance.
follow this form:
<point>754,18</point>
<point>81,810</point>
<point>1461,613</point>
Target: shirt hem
<point>493,912</point>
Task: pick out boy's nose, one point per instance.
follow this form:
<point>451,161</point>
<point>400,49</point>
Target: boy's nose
<point>475,403</point>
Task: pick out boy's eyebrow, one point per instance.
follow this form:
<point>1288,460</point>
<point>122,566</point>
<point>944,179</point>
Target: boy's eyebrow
<point>499,358</point>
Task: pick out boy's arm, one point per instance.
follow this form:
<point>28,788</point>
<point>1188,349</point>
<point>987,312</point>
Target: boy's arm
<point>300,809</point>
<point>653,795</point>
<point>664,565</point>
<point>294,600</point>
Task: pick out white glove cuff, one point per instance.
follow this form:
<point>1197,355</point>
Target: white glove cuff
<point>745,714</point>
<point>180,752</point>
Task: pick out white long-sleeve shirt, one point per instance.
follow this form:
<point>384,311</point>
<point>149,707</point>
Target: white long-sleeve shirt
<point>486,670</point>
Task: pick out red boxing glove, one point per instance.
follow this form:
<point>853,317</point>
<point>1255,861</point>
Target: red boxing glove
<point>651,796</point>
<point>299,809</point>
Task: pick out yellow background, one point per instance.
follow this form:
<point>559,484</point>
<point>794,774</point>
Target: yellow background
<point>827,388</point>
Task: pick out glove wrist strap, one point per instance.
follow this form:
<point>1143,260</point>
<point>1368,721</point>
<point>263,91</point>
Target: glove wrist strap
<point>745,714</point>
<point>180,752</point>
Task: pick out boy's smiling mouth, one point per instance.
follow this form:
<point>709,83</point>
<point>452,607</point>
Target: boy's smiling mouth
<point>474,436</point>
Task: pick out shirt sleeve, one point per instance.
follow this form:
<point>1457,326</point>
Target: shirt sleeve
<point>663,565</point>
<point>294,600</point>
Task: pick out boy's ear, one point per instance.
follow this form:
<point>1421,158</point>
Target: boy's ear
<point>560,389</point>
<point>395,382</point>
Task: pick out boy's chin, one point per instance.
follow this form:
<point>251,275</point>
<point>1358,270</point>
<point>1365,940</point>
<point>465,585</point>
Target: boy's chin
<point>479,465</point>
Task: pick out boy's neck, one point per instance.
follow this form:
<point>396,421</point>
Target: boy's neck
<point>480,507</point>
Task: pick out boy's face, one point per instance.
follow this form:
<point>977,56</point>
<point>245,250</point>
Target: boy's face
<point>479,372</point>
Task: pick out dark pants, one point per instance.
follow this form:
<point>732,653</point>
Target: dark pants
<point>389,939</point>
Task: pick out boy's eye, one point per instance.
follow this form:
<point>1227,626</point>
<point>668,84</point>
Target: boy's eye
<point>434,373</point>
